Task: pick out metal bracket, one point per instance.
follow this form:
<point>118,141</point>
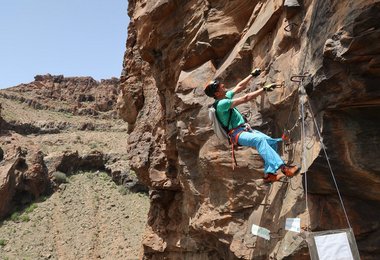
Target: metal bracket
<point>293,78</point>
<point>290,27</point>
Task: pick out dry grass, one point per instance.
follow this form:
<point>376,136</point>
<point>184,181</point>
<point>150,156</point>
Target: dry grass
<point>110,139</point>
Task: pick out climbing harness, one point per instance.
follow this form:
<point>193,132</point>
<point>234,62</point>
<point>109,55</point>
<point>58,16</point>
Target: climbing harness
<point>223,133</point>
<point>233,140</point>
<point>234,145</point>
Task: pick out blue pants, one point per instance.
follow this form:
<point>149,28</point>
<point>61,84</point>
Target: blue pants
<point>265,145</point>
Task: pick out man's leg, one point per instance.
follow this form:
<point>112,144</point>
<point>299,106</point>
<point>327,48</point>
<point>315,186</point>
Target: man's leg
<point>272,161</point>
<point>273,142</point>
<point>288,170</point>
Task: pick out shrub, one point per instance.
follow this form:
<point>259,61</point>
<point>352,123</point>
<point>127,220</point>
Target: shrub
<point>15,216</point>
<point>123,190</point>
<point>104,176</point>
<point>30,208</point>
<point>132,173</point>
<point>43,198</point>
<point>90,175</point>
<point>60,177</point>
<point>77,140</point>
<point>24,218</point>
<point>93,145</point>
<point>3,242</point>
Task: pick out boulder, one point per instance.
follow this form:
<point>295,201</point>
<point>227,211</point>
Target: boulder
<point>21,181</point>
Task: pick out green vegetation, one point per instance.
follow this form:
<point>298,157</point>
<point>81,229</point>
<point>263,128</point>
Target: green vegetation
<point>3,242</point>
<point>15,216</point>
<point>24,218</point>
<point>132,173</point>
<point>143,195</point>
<point>42,199</point>
<point>123,190</point>
<point>60,177</point>
<point>78,140</point>
<point>30,208</point>
<point>67,114</point>
<point>104,176</point>
<point>93,145</point>
<point>90,176</point>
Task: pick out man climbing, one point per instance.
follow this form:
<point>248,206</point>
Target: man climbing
<point>240,133</point>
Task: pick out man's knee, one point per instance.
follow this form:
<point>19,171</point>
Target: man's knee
<point>259,138</point>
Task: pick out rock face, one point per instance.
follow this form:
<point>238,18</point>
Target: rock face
<point>22,180</point>
<point>200,208</point>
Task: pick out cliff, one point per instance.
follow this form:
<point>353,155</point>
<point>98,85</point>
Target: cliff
<point>75,95</point>
<point>201,208</point>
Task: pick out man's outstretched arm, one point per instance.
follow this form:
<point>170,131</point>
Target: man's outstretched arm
<point>243,84</point>
<point>252,95</point>
<point>246,97</point>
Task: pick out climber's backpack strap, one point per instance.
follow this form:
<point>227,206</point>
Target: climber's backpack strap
<point>220,130</point>
<point>215,105</point>
<point>228,132</point>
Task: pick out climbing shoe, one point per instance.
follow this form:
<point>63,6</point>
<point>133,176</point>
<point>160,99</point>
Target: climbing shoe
<point>272,177</point>
<point>290,170</point>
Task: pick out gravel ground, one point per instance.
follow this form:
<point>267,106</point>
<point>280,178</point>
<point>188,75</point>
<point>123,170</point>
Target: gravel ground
<point>88,218</point>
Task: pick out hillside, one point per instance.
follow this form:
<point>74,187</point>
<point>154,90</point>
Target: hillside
<point>76,95</point>
<point>67,166</point>
<point>87,218</point>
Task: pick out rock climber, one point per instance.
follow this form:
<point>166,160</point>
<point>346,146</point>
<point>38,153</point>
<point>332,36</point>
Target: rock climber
<point>241,133</point>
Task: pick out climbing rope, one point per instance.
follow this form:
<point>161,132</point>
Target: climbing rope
<point>299,79</point>
<point>304,148</point>
<point>329,164</point>
<point>303,160</point>
<point>303,128</point>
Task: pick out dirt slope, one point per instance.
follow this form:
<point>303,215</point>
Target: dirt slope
<point>89,218</point>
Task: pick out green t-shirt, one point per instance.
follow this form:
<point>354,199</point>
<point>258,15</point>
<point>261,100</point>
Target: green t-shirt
<point>223,112</point>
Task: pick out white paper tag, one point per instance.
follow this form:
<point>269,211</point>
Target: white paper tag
<point>334,246</point>
<point>260,231</point>
<point>293,224</point>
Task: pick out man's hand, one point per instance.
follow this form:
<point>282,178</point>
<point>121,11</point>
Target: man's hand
<point>256,72</point>
<point>270,87</point>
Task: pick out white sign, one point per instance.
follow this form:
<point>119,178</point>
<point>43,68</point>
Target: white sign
<point>333,247</point>
<point>293,224</point>
<point>260,231</point>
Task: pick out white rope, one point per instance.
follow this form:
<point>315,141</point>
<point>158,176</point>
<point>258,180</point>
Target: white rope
<point>303,134</point>
<point>303,159</point>
<point>328,162</point>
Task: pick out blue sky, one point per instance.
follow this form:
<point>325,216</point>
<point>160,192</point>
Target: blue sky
<point>69,37</point>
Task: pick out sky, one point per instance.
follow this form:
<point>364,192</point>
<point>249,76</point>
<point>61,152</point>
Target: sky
<point>61,37</point>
